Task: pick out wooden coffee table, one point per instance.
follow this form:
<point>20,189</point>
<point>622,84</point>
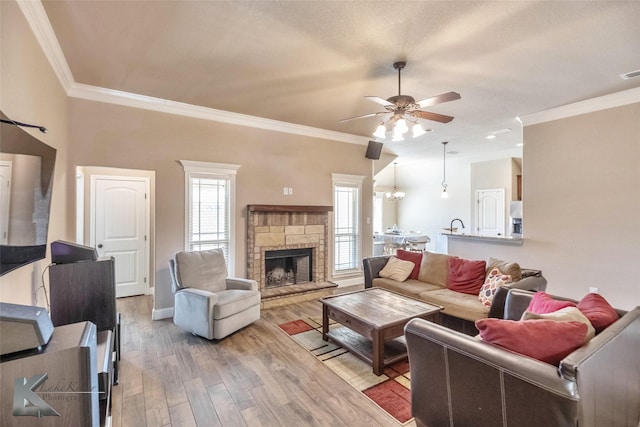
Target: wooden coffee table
<point>373,322</point>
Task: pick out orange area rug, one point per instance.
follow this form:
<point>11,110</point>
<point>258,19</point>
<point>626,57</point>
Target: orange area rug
<point>390,391</point>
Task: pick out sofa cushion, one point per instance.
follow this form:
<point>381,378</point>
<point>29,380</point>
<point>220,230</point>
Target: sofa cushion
<point>414,257</point>
<point>567,314</point>
<point>494,280</point>
<point>457,304</point>
<point>410,287</point>
<point>397,269</point>
<point>542,303</point>
<point>511,268</point>
<point>434,268</point>
<point>546,340</point>
<point>598,311</point>
<point>466,276</point>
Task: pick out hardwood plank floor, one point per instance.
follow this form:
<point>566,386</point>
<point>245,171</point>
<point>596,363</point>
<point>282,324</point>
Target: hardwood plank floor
<point>255,377</point>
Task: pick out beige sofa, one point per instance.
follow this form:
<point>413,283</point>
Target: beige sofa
<point>460,310</point>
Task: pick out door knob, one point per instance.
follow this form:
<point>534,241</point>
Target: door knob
<point>99,245</point>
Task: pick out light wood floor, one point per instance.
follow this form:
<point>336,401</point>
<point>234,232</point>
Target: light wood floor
<point>255,377</point>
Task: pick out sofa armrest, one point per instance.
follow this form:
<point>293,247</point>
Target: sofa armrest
<point>372,267</point>
<point>243,284</point>
<point>533,282</point>
<point>454,376</point>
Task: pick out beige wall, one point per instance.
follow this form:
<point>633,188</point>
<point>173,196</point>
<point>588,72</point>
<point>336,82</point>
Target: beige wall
<point>30,92</point>
<point>122,137</point>
<point>581,203</point>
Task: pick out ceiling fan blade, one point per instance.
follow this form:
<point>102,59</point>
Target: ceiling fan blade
<point>379,100</point>
<point>435,117</point>
<point>439,99</point>
<point>363,116</point>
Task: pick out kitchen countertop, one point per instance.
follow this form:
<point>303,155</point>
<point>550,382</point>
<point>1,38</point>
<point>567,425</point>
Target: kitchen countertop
<point>507,240</point>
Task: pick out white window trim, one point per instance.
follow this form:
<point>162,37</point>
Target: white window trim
<point>353,180</point>
<point>195,168</point>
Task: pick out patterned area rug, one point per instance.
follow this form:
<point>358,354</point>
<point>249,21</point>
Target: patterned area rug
<point>390,391</point>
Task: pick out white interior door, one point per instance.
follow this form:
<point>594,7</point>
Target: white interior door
<point>119,228</point>
<point>5,199</point>
<point>490,212</point>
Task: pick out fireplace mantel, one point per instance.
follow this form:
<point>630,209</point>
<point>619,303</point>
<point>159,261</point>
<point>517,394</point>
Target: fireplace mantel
<point>288,208</point>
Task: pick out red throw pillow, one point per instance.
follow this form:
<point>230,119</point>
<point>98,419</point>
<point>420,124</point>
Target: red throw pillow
<point>414,257</point>
<point>549,341</point>
<point>598,311</point>
<point>466,276</point>
<point>542,303</point>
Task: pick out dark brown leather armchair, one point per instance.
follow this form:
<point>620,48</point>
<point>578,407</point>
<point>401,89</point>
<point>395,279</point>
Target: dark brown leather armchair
<point>457,380</point>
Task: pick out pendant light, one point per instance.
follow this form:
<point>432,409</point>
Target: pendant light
<point>395,194</point>
<point>444,194</point>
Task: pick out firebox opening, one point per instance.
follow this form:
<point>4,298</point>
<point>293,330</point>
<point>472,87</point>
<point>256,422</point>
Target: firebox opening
<point>288,267</point>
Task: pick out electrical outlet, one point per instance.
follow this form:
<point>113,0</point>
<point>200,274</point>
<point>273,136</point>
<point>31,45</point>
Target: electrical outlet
<point>290,191</point>
<point>593,290</point>
<point>285,191</point>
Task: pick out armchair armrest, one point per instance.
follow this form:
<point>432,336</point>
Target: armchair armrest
<point>243,284</point>
<point>193,310</point>
<point>372,267</point>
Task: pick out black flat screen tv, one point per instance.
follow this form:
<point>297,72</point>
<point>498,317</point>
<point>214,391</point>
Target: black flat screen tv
<point>26,183</point>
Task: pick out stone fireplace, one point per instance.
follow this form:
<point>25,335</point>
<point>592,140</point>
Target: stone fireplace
<point>287,250</point>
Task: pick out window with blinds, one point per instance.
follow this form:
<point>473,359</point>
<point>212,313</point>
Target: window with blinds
<point>209,210</point>
<point>209,214</point>
<point>346,209</point>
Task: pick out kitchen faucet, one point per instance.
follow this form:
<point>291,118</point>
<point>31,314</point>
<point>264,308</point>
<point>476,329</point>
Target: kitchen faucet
<point>454,220</point>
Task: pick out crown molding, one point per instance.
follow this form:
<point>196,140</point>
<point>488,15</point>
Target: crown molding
<point>40,25</point>
<point>38,20</point>
<point>128,99</point>
<point>618,99</point>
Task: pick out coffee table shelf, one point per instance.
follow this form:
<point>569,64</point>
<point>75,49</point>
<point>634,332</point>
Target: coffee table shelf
<point>395,350</point>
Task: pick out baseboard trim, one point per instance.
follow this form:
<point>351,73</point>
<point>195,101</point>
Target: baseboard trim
<point>161,313</point>
<point>351,281</point>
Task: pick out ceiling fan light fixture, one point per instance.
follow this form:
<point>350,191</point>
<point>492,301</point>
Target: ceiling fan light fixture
<point>401,124</point>
<point>418,130</point>
<point>381,131</point>
<point>397,135</point>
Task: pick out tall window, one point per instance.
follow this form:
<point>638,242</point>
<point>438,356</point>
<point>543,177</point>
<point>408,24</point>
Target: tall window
<point>210,202</point>
<point>346,224</point>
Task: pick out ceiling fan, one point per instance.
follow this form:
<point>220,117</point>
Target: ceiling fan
<point>401,106</point>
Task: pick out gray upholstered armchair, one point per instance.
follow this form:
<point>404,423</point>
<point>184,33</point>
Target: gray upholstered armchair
<point>208,302</point>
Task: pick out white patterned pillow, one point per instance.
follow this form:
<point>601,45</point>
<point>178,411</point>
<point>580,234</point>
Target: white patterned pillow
<point>494,280</point>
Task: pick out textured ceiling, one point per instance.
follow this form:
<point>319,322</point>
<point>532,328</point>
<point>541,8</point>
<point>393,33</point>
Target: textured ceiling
<point>312,62</point>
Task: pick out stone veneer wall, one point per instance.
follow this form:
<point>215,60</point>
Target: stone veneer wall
<point>287,227</point>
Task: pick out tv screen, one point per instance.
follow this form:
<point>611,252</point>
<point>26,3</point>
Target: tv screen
<point>26,181</point>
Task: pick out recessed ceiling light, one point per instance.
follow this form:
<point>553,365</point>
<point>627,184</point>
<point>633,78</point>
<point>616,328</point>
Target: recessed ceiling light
<point>630,75</point>
<point>493,134</point>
